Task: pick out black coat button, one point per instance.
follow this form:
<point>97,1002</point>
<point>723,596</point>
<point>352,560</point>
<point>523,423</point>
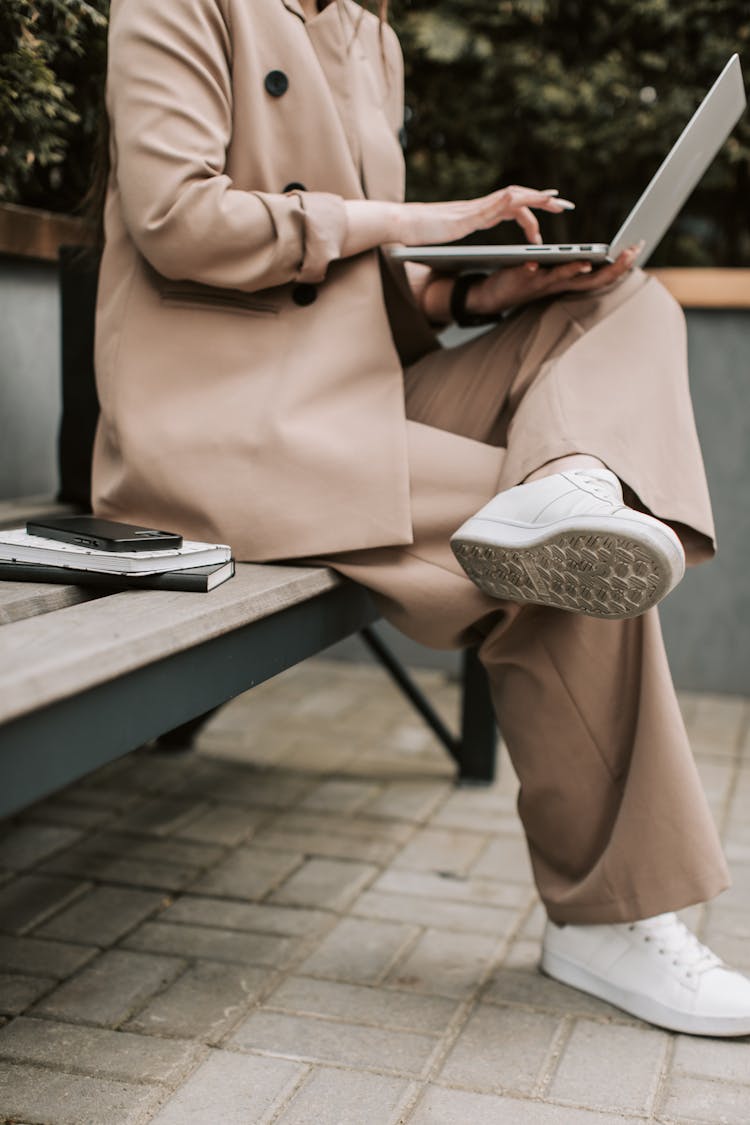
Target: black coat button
<point>304,294</point>
<point>294,186</point>
<point>276,83</point>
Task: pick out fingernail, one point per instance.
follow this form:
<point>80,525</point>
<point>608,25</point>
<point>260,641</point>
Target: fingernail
<point>537,240</point>
<point>550,191</point>
<point>586,268</point>
<point>566,204</point>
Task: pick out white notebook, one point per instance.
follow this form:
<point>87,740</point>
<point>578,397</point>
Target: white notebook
<point>16,545</point>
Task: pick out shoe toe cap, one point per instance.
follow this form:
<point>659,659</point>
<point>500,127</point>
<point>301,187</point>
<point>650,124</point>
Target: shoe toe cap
<point>726,992</point>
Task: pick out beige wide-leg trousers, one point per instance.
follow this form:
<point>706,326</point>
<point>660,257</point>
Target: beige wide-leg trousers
<point>617,824</point>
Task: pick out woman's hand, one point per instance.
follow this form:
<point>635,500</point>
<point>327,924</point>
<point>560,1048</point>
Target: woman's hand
<point>419,224</point>
<point>521,284</point>
<point>517,285</point>
<point>371,223</point>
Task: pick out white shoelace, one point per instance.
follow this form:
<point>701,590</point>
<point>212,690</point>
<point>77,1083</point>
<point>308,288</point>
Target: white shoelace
<point>674,939</point>
<point>602,488</point>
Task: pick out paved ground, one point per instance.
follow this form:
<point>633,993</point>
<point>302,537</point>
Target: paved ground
<point>305,922</point>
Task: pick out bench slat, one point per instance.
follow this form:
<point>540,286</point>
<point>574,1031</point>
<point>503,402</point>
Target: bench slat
<point>21,600</point>
<point>57,655</point>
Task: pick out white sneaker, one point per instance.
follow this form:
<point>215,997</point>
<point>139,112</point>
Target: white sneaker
<point>655,969</point>
<point>568,541</point>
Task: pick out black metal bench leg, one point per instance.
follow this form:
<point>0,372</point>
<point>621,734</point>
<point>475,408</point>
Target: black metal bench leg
<point>477,749</point>
<point>182,737</point>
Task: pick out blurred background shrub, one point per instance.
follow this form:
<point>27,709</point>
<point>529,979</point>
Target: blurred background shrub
<point>586,97</point>
<point>551,93</point>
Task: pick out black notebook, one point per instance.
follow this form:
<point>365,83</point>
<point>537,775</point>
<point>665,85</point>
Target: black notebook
<point>200,578</point>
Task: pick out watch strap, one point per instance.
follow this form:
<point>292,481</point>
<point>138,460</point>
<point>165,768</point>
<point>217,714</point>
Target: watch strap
<point>459,313</point>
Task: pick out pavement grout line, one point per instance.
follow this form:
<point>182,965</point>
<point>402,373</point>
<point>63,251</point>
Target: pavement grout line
<point>551,1062</point>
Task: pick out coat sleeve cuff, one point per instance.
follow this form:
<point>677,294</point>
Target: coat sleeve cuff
<point>324,230</point>
<point>310,227</point>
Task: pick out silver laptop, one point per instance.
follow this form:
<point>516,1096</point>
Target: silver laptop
<point>654,212</point>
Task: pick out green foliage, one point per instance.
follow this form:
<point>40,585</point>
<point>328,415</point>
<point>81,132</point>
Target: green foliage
<point>551,93</point>
<point>52,56</point>
<point>580,96</point>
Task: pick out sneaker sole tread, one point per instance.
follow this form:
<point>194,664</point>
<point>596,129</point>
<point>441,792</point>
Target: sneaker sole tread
<point>600,574</point>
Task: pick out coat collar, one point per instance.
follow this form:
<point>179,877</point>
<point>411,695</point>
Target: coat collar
<point>294,6</point>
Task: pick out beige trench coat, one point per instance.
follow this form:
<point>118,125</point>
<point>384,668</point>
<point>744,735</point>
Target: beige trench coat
<point>251,382</point>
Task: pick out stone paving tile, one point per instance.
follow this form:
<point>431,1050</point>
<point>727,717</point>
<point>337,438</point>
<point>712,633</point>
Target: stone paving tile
<point>339,796</point>
<point>158,816</point>
<point>401,1011</point>
<point>38,1094</point>
<point>325,883</point>
<point>269,789</point>
<point>72,814</point>
<point>518,981</point>
<point>92,792</point>
<point>717,722</point>
<point>231,1089</point>
<point>42,958</point>
<point>204,1003</point>
<point>500,1050</point>
<point>315,755</point>
<point>248,873</point>
<point>699,1099</point>
<point>185,853</point>
<point>716,777</point>
<point>506,858</point>
<point>331,1041</point>
<point>309,841</point>
<point>384,764</point>
<point>97,1051</point>
<point>211,942</point>
<point>445,964</point>
<point>125,871</point>
<point>610,1067</point>
<point>24,845</point>
<point>332,1097</point>
<point>411,801</point>
<point>146,771</point>
<point>102,916</point>
<point>492,810</point>
<point>457,1107</point>
<point>351,827</point>
<point>17,993</point>
<point>359,951</point>
<point>28,900</point>
<point>227,825</point>
<point>440,914</point>
<point>107,991</point>
<point>455,888</point>
<point>442,850</point>
<point>260,918</point>
<point>713,1058</point>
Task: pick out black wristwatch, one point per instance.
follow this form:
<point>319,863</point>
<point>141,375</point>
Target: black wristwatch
<point>459,313</point>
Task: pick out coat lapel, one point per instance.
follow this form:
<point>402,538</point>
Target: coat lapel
<point>331,41</point>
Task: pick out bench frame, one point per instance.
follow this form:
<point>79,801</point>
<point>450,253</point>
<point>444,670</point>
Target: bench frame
<point>169,699</point>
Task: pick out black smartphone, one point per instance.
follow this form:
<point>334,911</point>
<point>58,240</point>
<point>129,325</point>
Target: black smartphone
<point>103,535</point>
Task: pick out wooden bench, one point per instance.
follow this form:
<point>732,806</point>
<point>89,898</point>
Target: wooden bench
<point>87,676</point>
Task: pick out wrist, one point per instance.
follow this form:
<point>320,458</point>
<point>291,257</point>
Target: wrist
<point>466,302</point>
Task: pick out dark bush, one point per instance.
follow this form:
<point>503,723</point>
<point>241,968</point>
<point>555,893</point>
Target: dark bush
<point>585,97</point>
